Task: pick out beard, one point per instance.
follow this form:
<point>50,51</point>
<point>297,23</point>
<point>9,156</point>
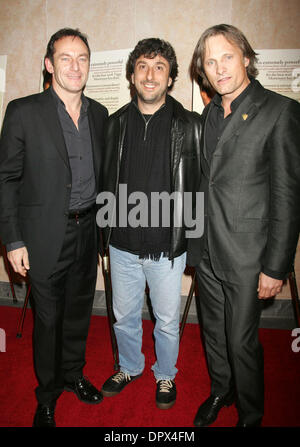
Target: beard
<point>151,97</point>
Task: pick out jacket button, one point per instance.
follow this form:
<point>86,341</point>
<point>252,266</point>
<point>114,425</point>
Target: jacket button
<point>68,185</point>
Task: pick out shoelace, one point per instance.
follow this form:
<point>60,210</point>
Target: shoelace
<point>121,376</point>
<point>165,385</point>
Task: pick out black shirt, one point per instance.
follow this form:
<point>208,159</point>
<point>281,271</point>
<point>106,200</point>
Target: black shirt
<point>216,123</point>
<point>145,168</point>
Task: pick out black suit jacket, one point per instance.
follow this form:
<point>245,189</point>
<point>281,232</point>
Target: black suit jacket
<point>252,188</point>
<point>35,176</point>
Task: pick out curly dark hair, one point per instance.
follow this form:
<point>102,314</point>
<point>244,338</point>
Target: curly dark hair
<point>64,32</point>
<point>150,48</point>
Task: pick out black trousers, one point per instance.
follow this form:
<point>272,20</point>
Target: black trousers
<point>63,305</point>
<point>230,313</point>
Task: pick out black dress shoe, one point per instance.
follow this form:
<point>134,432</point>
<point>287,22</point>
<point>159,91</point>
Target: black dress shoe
<point>85,391</point>
<point>44,416</point>
<point>209,410</point>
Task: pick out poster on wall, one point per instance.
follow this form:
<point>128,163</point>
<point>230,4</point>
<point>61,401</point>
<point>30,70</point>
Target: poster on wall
<point>107,81</point>
<point>3,60</point>
<point>279,71</point>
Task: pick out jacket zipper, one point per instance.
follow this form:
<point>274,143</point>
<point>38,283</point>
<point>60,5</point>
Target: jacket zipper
<point>116,187</point>
<point>147,122</point>
<point>146,125</point>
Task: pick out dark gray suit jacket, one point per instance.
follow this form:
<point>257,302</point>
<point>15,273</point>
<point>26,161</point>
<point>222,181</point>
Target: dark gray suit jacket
<point>252,189</point>
<point>35,176</point>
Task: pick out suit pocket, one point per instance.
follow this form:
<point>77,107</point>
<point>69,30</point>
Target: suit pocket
<point>29,212</point>
<point>251,225</point>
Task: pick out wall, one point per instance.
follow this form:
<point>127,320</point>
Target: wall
<point>26,26</point>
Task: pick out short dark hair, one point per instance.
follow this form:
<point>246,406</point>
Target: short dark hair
<point>150,48</point>
<point>233,35</point>
<point>64,32</point>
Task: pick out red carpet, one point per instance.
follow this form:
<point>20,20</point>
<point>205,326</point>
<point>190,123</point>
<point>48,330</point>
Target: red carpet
<point>135,406</point>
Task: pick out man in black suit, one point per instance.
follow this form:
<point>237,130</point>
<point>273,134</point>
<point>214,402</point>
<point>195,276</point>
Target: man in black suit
<point>50,157</point>
<point>250,163</point>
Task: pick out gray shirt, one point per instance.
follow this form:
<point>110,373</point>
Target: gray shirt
<point>79,148</point>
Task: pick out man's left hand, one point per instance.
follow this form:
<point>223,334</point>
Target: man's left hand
<point>268,287</point>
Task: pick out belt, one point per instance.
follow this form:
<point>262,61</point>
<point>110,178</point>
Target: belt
<point>75,214</point>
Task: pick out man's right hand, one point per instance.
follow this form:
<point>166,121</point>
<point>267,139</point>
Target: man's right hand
<point>19,260</point>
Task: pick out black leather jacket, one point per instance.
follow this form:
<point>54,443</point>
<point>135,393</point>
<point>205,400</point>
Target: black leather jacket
<point>184,163</point>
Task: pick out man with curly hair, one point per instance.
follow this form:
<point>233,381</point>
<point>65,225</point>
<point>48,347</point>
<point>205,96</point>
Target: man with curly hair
<point>152,146</point>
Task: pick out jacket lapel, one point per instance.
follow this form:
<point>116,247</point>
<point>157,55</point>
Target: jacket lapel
<point>243,114</point>
<point>246,110</point>
<point>177,135</point>
<point>50,116</point>
<point>95,143</point>
<point>203,135</point>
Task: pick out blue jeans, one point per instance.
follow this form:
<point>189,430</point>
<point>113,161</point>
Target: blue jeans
<point>129,275</point>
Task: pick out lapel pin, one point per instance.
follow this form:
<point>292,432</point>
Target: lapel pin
<point>245,116</point>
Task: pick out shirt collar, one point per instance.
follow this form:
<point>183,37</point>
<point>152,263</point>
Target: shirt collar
<point>166,105</point>
<point>59,101</point>
<point>217,99</point>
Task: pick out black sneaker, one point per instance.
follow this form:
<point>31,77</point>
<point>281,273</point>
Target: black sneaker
<point>115,384</point>
<point>165,394</point>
